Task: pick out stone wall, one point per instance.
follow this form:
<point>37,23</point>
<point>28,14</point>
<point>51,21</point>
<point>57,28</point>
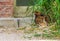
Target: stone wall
<point>6,11</point>
<point>9,9</point>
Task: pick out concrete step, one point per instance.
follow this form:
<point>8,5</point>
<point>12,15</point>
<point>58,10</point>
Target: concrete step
<point>15,22</point>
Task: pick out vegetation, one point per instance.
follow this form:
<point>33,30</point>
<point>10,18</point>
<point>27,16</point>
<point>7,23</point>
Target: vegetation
<point>47,7</point>
<point>51,8</point>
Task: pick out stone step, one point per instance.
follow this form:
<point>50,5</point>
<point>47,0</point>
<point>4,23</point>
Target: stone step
<point>15,22</point>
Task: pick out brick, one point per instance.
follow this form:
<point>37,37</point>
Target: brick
<point>6,8</point>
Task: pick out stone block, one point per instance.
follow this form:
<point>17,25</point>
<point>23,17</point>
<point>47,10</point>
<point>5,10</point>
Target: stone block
<point>8,24</point>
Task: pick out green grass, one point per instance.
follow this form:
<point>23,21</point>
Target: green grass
<point>37,35</point>
<point>47,7</point>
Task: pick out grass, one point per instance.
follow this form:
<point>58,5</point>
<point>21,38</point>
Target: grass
<point>51,33</point>
<point>37,35</point>
<point>47,7</point>
<point>51,8</point>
